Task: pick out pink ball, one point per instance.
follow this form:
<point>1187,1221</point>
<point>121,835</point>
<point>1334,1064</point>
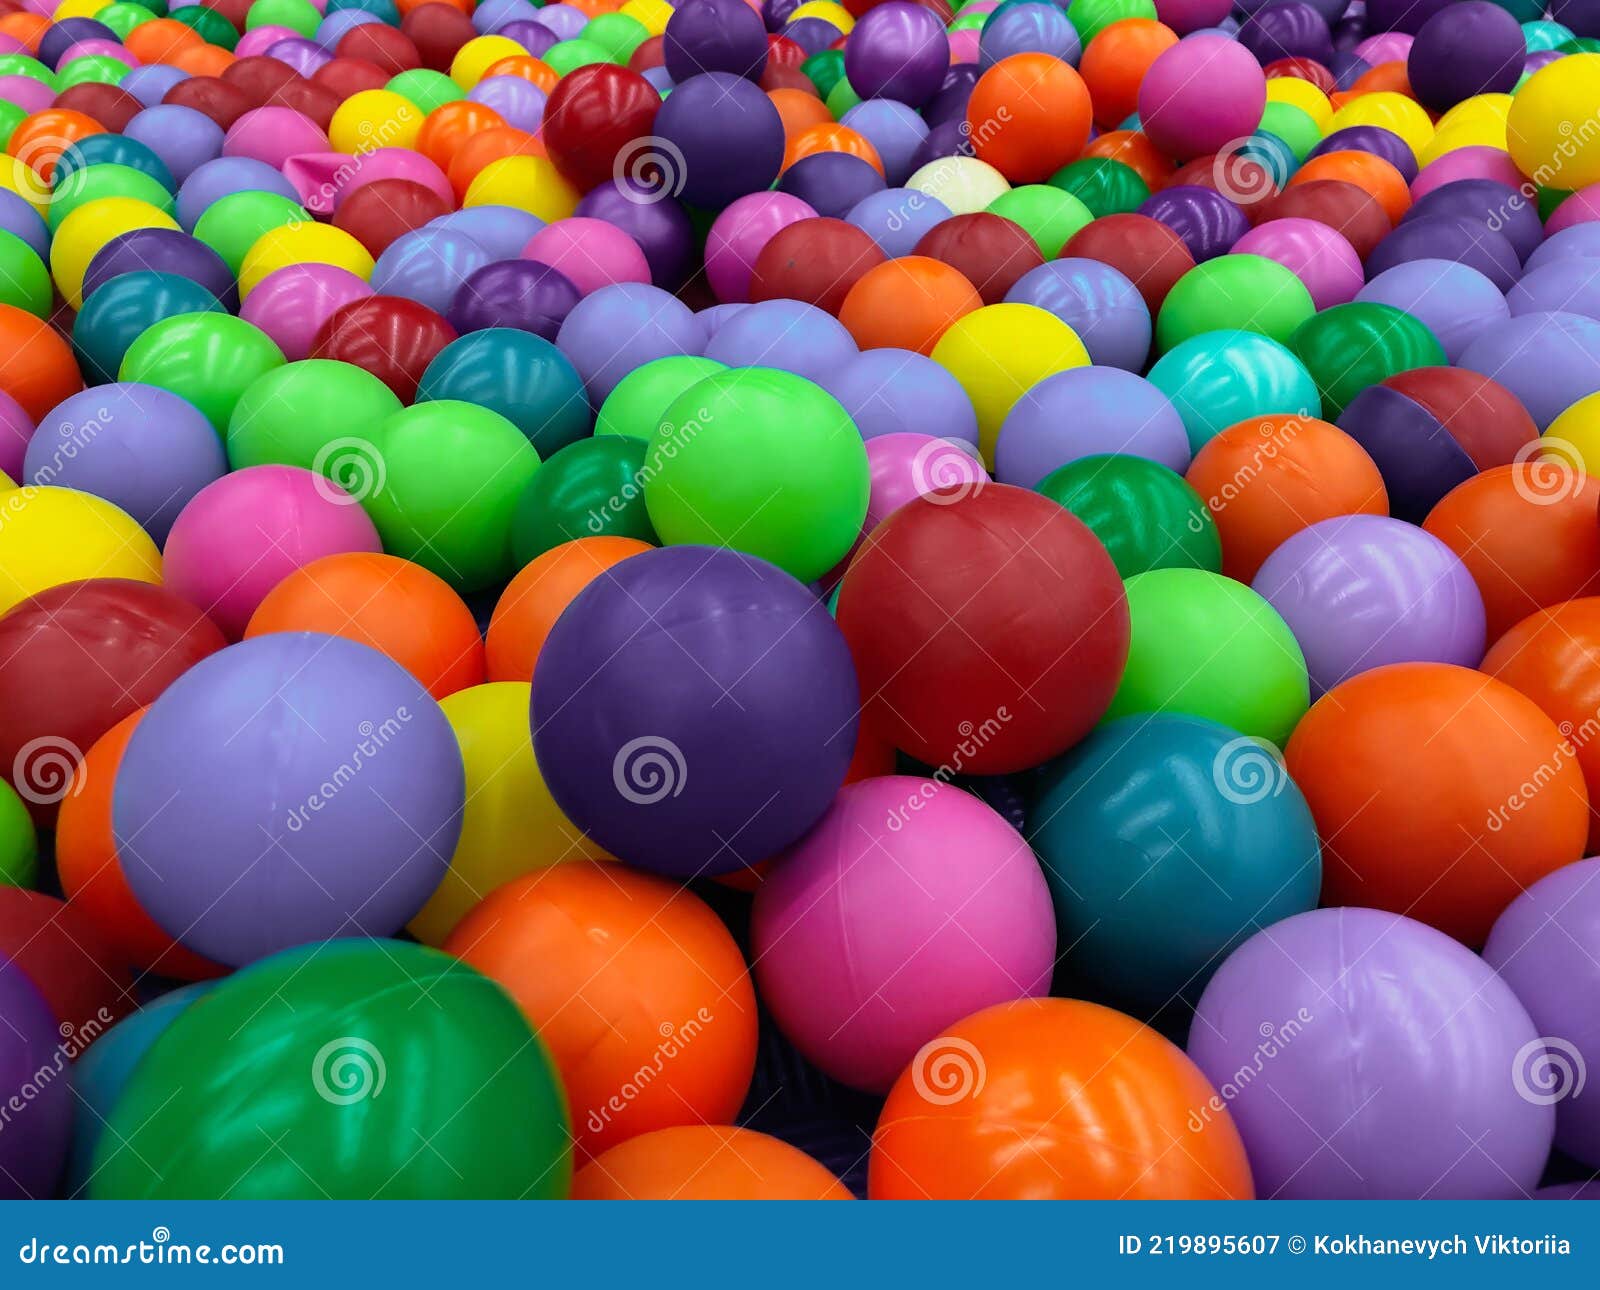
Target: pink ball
<point>26,93</point>
<point>1580,208</point>
<point>1386,47</point>
<point>291,303</point>
<point>1184,16</point>
<point>590,253</point>
<point>738,234</point>
<point>1477,162</point>
<point>904,466</point>
<point>273,135</point>
<point>963,46</point>
<point>1201,94</point>
<point>96,47</point>
<point>16,428</point>
<point>11,45</point>
<point>910,905</point>
<point>242,535</point>
<point>1320,256</point>
<point>394,163</point>
<point>261,39</point>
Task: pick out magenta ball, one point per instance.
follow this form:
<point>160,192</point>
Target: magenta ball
<point>1184,16</point>
<point>273,135</point>
<point>910,905</point>
<point>1583,207</point>
<point>1200,94</point>
<point>1316,253</point>
<point>241,536</point>
<point>738,234</point>
<point>1477,162</point>
<point>291,304</point>
<point>589,253</point>
<point>905,465</point>
<point>16,428</point>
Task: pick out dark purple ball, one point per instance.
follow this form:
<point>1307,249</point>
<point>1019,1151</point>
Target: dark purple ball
<point>63,35</point>
<point>950,103</point>
<point>694,710</point>
<point>729,134</point>
<point>1497,208</point>
<point>812,34</point>
<point>653,219</point>
<point>831,182</point>
<point>1208,222</point>
<point>715,36</point>
<point>774,13</point>
<point>1474,47</point>
<point>1440,237</point>
<point>1402,15</point>
<point>1581,17</point>
<point>522,294</point>
<point>1419,458</point>
<point>1347,68</point>
<point>164,250</point>
<point>533,36</point>
<point>949,138</point>
<point>1541,58</point>
<point>898,51</point>
<point>1349,31</point>
<point>1376,140</point>
<point>1286,29</point>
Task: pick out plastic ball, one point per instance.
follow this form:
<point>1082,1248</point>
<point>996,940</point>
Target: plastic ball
<point>525,183</point>
<point>728,135</point>
<point>636,406</point>
<point>894,391</point>
<point>1234,292</point>
<point>612,331</point>
<point>1146,252</point>
<point>990,251</point>
<point>58,535</point>
<point>518,375</point>
<point>1029,115</point>
<point>290,304</point>
<point>393,338</point>
<point>1349,347</point>
<point>161,250</point>
<point>907,303</point>
<point>816,261</point>
<point>1219,379</point>
<point>1200,94</point>
<point>1456,302</point>
<point>1208,222</point>
<point>208,359</point>
<point>1539,127</point>
<point>32,1157</point>
<point>594,123</point>
<point>714,36</point>
<point>1549,361</point>
<point>1320,256</point>
<point>1082,413</point>
<point>19,842</point>
<point>705,1162</point>
<point>79,972</point>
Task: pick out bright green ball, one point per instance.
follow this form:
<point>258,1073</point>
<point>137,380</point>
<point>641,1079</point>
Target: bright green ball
<point>825,68</point>
<point>211,359</point>
<point>617,34</point>
<point>1091,17</point>
<point>841,98</point>
<point>1243,292</point>
<point>124,17</point>
<point>295,415</point>
<point>1349,347</point>
<point>1145,514</point>
<point>24,284</point>
<point>11,116</point>
<point>297,15</point>
<point>428,90</point>
<point>569,55</point>
<point>640,400</point>
<point>1049,214</point>
<point>1293,125</point>
<point>96,69</point>
<point>19,844</point>
<point>970,21</point>
<point>105,179</point>
<point>23,65</point>
<point>591,488</point>
<point>1104,185</point>
<point>231,224</point>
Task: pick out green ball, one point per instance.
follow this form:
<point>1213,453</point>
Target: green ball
<point>11,116</point>
<point>1103,184</point>
<point>297,15</point>
<point>1210,647</point>
<point>296,414</point>
<point>1242,292</point>
<point>116,315</point>
<point>966,22</point>
<point>825,68</point>
<point>23,65</point>
<point>1349,347</point>
<point>231,224</point>
<point>1145,514</point>
<point>123,18</point>
<point>1580,45</point>
<point>445,480</point>
<point>1091,17</point>
<point>1293,125</point>
<point>636,406</point>
<point>24,280</point>
<point>617,34</point>
<point>211,359</point>
<point>1050,214</point>
<point>19,844</point>
<point>428,90</point>
<point>211,26</point>
<point>105,179</point>
<point>761,461</point>
<point>841,98</point>
<point>1523,10</point>
<point>346,1070</point>
<point>1550,199</point>
<point>591,488</point>
<point>97,69</point>
<point>568,55</point>
<point>157,7</point>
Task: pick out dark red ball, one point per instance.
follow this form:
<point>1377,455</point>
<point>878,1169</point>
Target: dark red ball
<point>377,213</point>
<point>210,96</point>
<point>111,106</point>
<point>372,42</point>
<point>437,31</point>
<point>1351,210</point>
<point>593,114</point>
<point>81,976</point>
<point>393,338</point>
<point>348,76</point>
<point>991,252</point>
<point>260,77</point>
<point>647,54</point>
<point>1145,251</point>
<point>814,260</point>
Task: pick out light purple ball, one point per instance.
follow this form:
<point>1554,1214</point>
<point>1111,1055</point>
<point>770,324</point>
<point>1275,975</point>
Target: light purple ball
<point>714,316</point>
<point>150,84</point>
<point>897,218</point>
<point>1456,301</point>
<point>1364,1055</point>
<point>214,180</point>
<point>338,24</point>
<point>502,231</point>
<point>786,334</point>
<point>1084,412</point>
<point>1570,286</point>
<point>1098,302</point>
<point>1581,241</point>
<point>291,304</point>
<point>1548,360</point>
<point>305,56</point>
<point>492,15</point>
<point>894,129</point>
<point>897,391</point>
<point>180,136</point>
<point>16,428</point>
<point>617,328</point>
<point>519,102</point>
<point>428,265</point>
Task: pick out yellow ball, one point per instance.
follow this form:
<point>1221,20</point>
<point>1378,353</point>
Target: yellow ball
<point>53,535</point>
<point>305,243</point>
<point>1575,434</point>
<point>651,14</point>
<point>964,184</point>
<point>511,825</point>
<point>1388,111</point>
<point>80,236</point>
<point>530,184</point>
<point>837,14</point>
<point>1000,352</point>
<point>474,59</point>
<point>1554,125</point>
<point>77,9</point>
<point>6,482</point>
<point>22,179</point>
<point>374,119</point>
<point>1469,134</point>
<point>1480,107</point>
<point>1303,95</point>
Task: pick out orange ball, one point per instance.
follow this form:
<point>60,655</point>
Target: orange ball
<point>1385,77</point>
<point>397,607</point>
<point>450,125</point>
<point>37,367</point>
<point>41,138</point>
<point>1054,1099</point>
<point>705,1162</point>
<point>91,874</point>
<point>1553,657</point>
<point>1438,793</point>
<point>526,67</point>
<point>1526,546</point>
<point>29,28</point>
<point>533,600</point>
<point>158,41</point>
<point>831,137</point>
<point>1115,62</point>
<point>1134,150</point>
<point>1267,478</point>
<point>202,60</point>
<point>907,304</point>
<point>798,111</point>
<point>1367,171</point>
<point>1029,116</point>
<point>636,987</point>
<point>492,144</point>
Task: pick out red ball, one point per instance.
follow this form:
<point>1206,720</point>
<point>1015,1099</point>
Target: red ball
<point>107,104</point>
<point>376,214</point>
<point>783,52</point>
<point>592,115</point>
<point>1351,211</point>
<point>393,338</point>
<point>1244,181</point>
<point>348,76</point>
<point>647,54</point>
<point>212,97</point>
<point>814,260</point>
<point>787,78</point>
<point>260,77</point>
<point>1302,69</point>
<point>235,11</point>
<point>373,42</point>
<point>990,251</point>
<point>436,31</point>
<point>316,102</point>
<point>1148,253</point>
<point>80,975</point>
<point>78,658</point>
<point>989,628</point>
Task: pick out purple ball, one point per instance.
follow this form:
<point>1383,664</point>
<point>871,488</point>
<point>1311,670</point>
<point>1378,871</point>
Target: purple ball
<point>715,316</point>
<point>1567,286</point>
<point>305,56</point>
<point>695,710</point>
<point>1085,412</point>
<point>150,84</point>
<point>1549,361</point>
<point>338,24</point>
<point>952,138</point>
<point>163,250</point>
<point>729,134</point>
<point>1419,458</point>
<point>1440,237</point>
<point>1207,221</point>
<point>1408,16</point>
<point>502,231</point>
<point>428,265</point>
<point>894,129</point>
<point>1382,143</point>
<point>653,219</point>
<point>19,218</point>
<point>950,103</point>
<point>787,334</point>
<point>897,218</point>
<point>214,180</point>
<point>617,328</point>
<point>62,36</point>
<point>493,15</point>
<point>180,136</point>
<point>142,448</point>
<point>1287,29</point>
<point>714,36</point>
<point>522,294</point>
<point>1546,947</point>
<point>1363,1055</point>
<point>519,102</point>
<point>1347,67</point>
<point>534,36</point>
<point>812,34</point>
<point>1098,302</point>
<point>1456,302</point>
<point>774,13</point>
<point>1362,591</point>
<point>1581,17</point>
<point>566,20</point>
<point>34,1146</point>
<point>1032,27</point>
<point>1578,242</point>
<point>16,429</point>
<point>898,391</point>
<point>295,787</point>
<point>1497,208</point>
<point>831,183</point>
<point>1472,47</point>
<point>897,50</point>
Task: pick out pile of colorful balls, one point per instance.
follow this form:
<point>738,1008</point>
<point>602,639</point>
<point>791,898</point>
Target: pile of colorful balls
<point>799,599</point>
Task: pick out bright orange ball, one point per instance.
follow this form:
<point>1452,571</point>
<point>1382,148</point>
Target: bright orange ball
<point>1367,171</point>
<point>907,303</point>
<point>1115,62</point>
<point>1029,116</point>
<point>158,41</point>
<point>29,28</point>
<point>705,1162</point>
<point>37,367</point>
<point>831,137</point>
<point>798,111</point>
<point>450,125</point>
<point>528,68</point>
<point>202,60</point>
<point>1134,150</point>
<point>41,138</point>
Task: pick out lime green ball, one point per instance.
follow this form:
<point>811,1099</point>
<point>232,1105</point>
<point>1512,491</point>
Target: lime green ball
<point>1104,185</point>
<point>640,400</point>
<point>19,844</point>
<point>617,34</point>
<point>1145,514</point>
<point>569,55</point>
<point>32,68</point>
<point>1349,347</point>
<point>24,279</point>
<point>1091,17</point>
<point>841,98</point>
<point>1293,125</point>
<point>11,116</point>
<point>1234,292</point>
<point>1208,646</point>
<point>232,224</point>
<point>825,68</point>
<point>105,179</point>
<point>297,15</point>
<point>295,414</point>
<point>761,461</point>
<point>1050,215</point>
<point>428,90</point>
<point>96,69</point>
<point>591,488</point>
<point>211,359</point>
<point>210,25</point>
<point>969,21</point>
<point>445,484</point>
<point>123,18</point>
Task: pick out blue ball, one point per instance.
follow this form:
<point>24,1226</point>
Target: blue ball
<point>897,218</point>
<point>1096,301</point>
<point>521,376</point>
<point>117,150</point>
<point>117,314</point>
